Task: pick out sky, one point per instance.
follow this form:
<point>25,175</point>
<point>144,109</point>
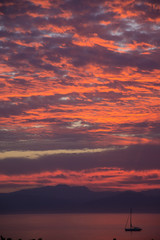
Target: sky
<point>80,94</point>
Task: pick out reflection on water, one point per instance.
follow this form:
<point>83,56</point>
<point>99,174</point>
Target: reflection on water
<point>78,226</point>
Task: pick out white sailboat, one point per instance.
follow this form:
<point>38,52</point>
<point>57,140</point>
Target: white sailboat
<point>131,228</point>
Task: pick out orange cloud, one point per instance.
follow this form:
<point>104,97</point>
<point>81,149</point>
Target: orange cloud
<point>44,4</point>
<point>101,178</point>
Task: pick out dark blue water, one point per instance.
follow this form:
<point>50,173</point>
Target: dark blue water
<point>78,226</point>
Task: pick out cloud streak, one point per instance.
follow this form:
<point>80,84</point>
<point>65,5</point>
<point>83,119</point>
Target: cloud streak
<point>38,154</point>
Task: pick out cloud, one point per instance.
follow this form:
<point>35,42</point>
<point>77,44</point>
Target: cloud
<point>79,75</point>
<point>95,178</point>
<point>38,154</point>
<point>130,158</point>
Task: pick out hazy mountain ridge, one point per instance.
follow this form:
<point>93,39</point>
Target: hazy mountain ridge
<point>63,198</point>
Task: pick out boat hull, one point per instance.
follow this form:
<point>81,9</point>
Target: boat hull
<point>133,229</point>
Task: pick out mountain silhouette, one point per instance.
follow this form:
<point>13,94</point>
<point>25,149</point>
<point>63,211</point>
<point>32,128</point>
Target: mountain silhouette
<point>77,199</point>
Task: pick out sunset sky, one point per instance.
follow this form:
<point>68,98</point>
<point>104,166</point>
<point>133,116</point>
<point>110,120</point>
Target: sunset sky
<point>80,94</point>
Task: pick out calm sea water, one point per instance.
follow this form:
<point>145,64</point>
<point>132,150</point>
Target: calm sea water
<point>78,226</point>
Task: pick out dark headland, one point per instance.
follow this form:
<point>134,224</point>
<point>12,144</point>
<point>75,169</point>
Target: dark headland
<point>78,199</point>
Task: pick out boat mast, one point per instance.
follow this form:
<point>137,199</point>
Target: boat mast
<point>130,217</point>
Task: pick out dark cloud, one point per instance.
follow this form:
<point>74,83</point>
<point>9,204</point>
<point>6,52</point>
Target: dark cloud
<point>136,157</point>
<point>8,108</point>
<point>141,180</point>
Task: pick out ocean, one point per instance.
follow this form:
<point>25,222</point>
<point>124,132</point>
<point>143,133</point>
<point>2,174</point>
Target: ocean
<point>78,226</point>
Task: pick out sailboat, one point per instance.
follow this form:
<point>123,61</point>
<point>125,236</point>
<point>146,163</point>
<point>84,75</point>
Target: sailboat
<point>131,228</point>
